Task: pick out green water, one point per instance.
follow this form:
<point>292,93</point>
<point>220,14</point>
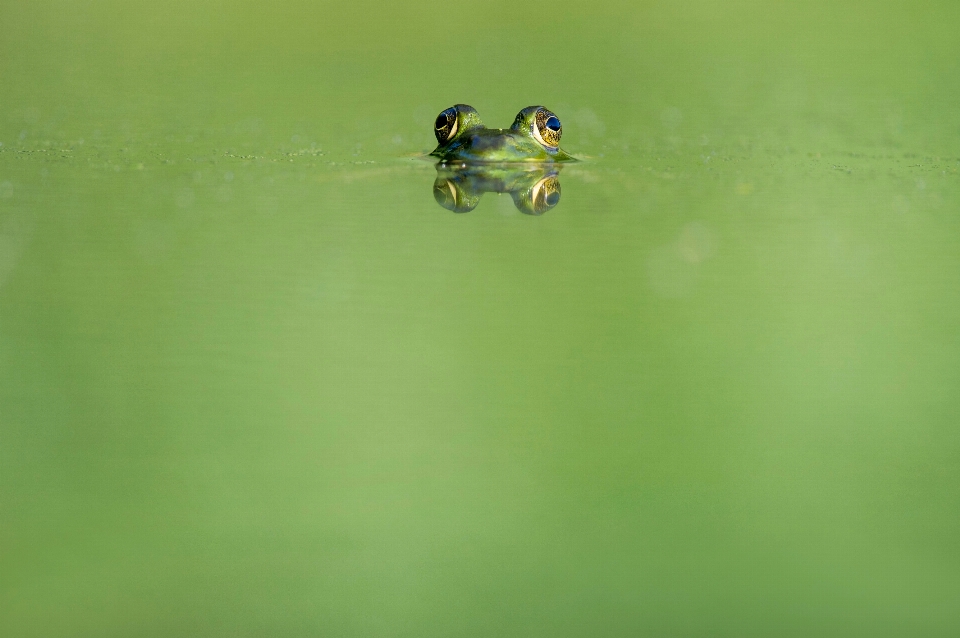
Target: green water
<point>254,381</point>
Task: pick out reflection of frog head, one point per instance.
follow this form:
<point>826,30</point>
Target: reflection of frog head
<point>533,137</point>
<point>535,189</point>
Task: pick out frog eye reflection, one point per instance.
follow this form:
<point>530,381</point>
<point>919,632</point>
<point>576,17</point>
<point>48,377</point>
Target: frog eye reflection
<point>546,193</point>
<point>547,128</point>
<point>446,125</point>
<point>453,197</point>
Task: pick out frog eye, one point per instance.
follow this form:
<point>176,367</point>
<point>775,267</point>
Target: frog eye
<point>446,125</point>
<point>547,128</point>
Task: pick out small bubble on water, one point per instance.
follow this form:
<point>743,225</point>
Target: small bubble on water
<point>23,135</point>
<point>671,117</point>
<point>424,113</point>
<point>588,122</point>
<point>696,243</point>
<point>900,204</point>
<point>228,176</point>
<point>184,198</point>
<point>295,139</point>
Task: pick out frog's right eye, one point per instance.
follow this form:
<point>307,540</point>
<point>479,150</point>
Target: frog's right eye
<point>446,125</point>
<point>547,128</point>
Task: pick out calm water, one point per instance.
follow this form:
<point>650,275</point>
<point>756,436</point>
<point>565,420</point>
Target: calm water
<point>254,381</point>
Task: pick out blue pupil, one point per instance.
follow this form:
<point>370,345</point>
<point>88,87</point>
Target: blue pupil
<point>553,123</point>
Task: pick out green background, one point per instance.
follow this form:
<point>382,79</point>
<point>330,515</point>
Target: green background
<point>255,382</point>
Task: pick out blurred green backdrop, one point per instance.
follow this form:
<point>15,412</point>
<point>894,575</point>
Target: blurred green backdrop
<point>254,381</point>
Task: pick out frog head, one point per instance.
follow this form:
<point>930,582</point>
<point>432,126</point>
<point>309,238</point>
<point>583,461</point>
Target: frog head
<point>534,137</point>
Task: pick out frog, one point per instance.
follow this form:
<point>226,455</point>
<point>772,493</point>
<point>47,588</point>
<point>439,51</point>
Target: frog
<point>533,137</point>
<point>534,187</point>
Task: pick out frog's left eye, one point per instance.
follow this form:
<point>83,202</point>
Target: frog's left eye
<point>446,125</point>
<point>547,128</point>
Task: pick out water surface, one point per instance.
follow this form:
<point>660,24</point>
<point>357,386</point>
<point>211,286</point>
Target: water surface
<point>255,381</point>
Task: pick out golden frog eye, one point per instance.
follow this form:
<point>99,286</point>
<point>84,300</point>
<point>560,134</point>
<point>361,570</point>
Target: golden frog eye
<point>446,125</point>
<point>547,128</point>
